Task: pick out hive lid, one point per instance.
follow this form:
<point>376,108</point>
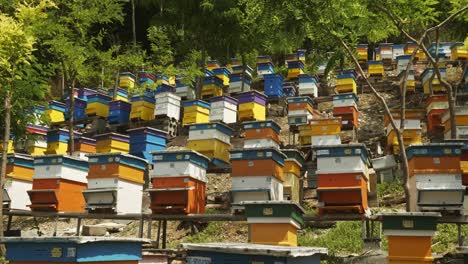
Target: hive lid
<point>292,204</point>
<point>73,239</point>
<point>415,214</point>
<point>91,155</point>
<point>254,249</point>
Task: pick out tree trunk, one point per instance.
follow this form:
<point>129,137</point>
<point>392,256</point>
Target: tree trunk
<point>244,68</point>
<point>71,121</point>
<point>6,139</point>
<point>133,23</point>
<point>199,81</point>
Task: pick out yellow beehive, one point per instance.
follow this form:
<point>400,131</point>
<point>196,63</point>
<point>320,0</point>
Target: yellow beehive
<point>142,108</point>
<point>36,150</point>
<point>98,105</point>
<point>212,148</point>
<point>411,136</point>
<point>59,148</point>
<point>262,234</point>
<point>252,111</point>
<point>112,142</point>
<point>346,85</point>
<point>437,86</point>
<point>320,127</point>
<point>459,51</point>
<point>195,112</point>
<point>211,91</point>
<point>54,115</point>
<point>10,146</point>
<point>375,68</point>
<point>172,80</point>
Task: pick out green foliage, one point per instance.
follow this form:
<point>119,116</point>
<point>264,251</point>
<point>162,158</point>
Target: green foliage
<point>394,188</point>
<point>445,239</point>
<point>160,45</point>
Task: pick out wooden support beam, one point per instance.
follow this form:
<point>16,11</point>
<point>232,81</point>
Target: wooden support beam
<point>78,226</point>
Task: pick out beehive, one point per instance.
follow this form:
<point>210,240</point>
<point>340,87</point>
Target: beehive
<point>91,250</point>
<point>377,54</point>
<point>386,51</point>
<point>164,88</point>
<point>55,112</point>
<point>295,68</point>
<point>461,121</point>
<point>345,106</point>
<point>258,162</point>
<point>263,68</point>
<point>236,80</point>
<point>437,87</point>
<point>119,112</point>
<point>300,110</point>
<point>10,148</point>
<point>79,109</point>
<point>289,89</point>
<point>301,54</point>
<point>402,63</point>
<point>223,74</point>
<point>398,50</point>
<point>246,69</point>
<point>112,142</point>
<point>83,146</point>
<point>185,91</point>
<point>127,80</point>
<point>212,64</point>
<point>409,236</point>
<point>195,112</point>
<point>282,216</point>
<point>58,182</point>
<point>38,144</point>
<point>458,51</point>
<point>57,141</point>
<point>343,176</point>
<point>308,85</point>
<point>251,106</point>
<point>115,183</point>
<point>145,79</point>
<point>178,182</point>
<point>319,127</point>
<point>436,105</point>
<point>362,53</point>
<point>167,104</point>
<point>98,105</point>
<point>224,109</point>
<point>292,174</point>
<point>435,177</point>
<point>273,85</point>
<point>19,173</point>
<point>212,86</point>
<point>212,140</point>
<point>375,68</point>
<point>145,140</point>
<point>409,48</point>
<point>444,50</point>
<point>346,82</point>
<point>261,134</point>
<point>410,83</point>
<point>142,107</point>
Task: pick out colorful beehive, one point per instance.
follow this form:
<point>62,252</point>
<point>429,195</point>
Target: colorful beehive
<point>142,107</point>
<point>162,79</point>
<point>320,131</point>
<point>224,109</point>
<point>436,105</point>
<point>295,68</point>
<point>289,89</point>
<point>164,88</point>
<point>195,112</point>
<point>223,74</point>
<point>234,62</point>
<point>308,85</point>
<point>345,106</point>
<point>261,134</point>
<point>252,106</point>
<point>83,93</point>
<point>247,70</point>
<point>249,253</point>
<point>264,66</point>
<point>361,50</point>
<point>282,216</point>
<point>236,80</point>
<point>145,140</point>
<point>435,177</point>
<point>291,57</point>
<point>58,182</point>
<point>119,112</point>
<point>412,132</point>
<point>398,50</point>
<point>410,83</point>
<point>461,121</point>
<point>437,87</point>
<point>19,174</point>
<point>38,143</point>
<point>98,105</point>
<point>463,161</point>
<point>112,142</point>
<point>185,91</point>
<point>127,80</point>
<point>386,51</point>
<point>38,113</point>
<point>57,141</point>
<point>55,112</point>
<point>346,82</point>
<point>212,64</point>
<point>300,110</point>
<point>375,68</point>
<point>178,182</point>
<point>83,147</point>
<point>377,54</point>
<point>115,183</point>
<point>145,78</point>
<point>409,236</point>
<point>91,250</point>
<point>212,86</point>
<point>444,50</point>
<point>79,109</point>
<point>343,178</point>
<point>273,85</point>
<point>459,51</point>
<point>167,104</point>
<point>402,62</point>
<point>257,175</point>
<point>120,94</point>
<point>292,174</point>
<point>301,55</point>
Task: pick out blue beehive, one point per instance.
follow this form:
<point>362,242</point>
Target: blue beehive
<point>273,85</point>
<point>162,88</point>
<point>73,250</point>
<point>289,90</point>
<point>119,112</point>
<point>121,94</point>
<point>208,73</point>
<point>80,109</point>
<point>146,78</point>
<point>145,140</point>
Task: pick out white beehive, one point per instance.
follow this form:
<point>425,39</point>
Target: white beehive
<point>167,104</point>
<point>256,188</point>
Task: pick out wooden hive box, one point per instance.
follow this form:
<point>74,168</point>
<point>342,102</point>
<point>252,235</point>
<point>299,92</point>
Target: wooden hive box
<point>409,48</point>
<point>212,86</point>
<point>362,52</point>
<point>10,148</point>
<point>212,64</point>
<point>196,111</point>
<point>346,82</point>
<point>142,107</point>
<point>119,112</point>
<point>224,109</point>
<point>264,68</point>
<point>115,183</point>
<point>323,140</point>
<point>19,173</point>
<point>252,106</point>
<point>57,141</point>
<point>236,80</point>
<point>375,68</point>
<point>273,85</point>
<point>402,63</point>
<point>112,142</point>
<point>55,112</point>
<point>258,162</point>
<point>120,94</point>
<point>444,50</point>
<point>349,116</point>
<point>437,87</point>
<point>386,51</point>
<point>413,114</point>
<point>308,85</point>
<point>434,158</point>
<point>458,51</point>
<point>58,183</point>
<point>79,110</point>
<point>185,91</point>
<point>301,54</point>
<point>292,172</point>
<point>212,140</point>
<point>324,126</point>
<point>127,80</point>
<point>260,134</point>
<point>162,79</point>
<point>345,100</point>
<point>223,74</point>
<point>411,83</point>
<point>461,121</point>
<point>398,50</point>
<point>98,105</point>
<point>282,216</point>
<point>295,68</point>
<point>167,104</point>
<point>409,236</point>
<point>103,250</point>
<point>258,188</point>
<point>37,145</point>
<point>237,253</point>
<point>436,105</point>
<point>145,140</point>
<point>180,163</point>
<point>84,146</point>
<point>300,110</point>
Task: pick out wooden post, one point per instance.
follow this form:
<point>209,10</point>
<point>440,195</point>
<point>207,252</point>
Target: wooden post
<point>78,226</point>
<point>10,218</point>
<point>164,234</point>
<point>460,236</point>
<point>140,228</point>
<point>159,234</point>
<point>56,226</point>
<point>148,234</point>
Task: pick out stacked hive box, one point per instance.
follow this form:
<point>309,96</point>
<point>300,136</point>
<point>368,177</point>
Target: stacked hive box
<point>164,88</point>
<point>56,111</point>
<point>295,68</point>
<point>38,144</point>
<point>252,106</point>
<point>57,141</point>
<point>178,182</point>
<point>115,183</point>
<point>343,175</point>
<point>346,82</point>
<point>409,236</point>
<point>223,74</point>
<point>162,79</point>
<point>119,112</point>
<point>185,91</point>
<point>320,131</point>
<point>444,50</point>
<point>146,78</point>
<point>127,80</point>
<point>459,51</point>
<point>301,55</point>
<point>264,66</point>
<point>345,106</point>
<point>98,105</point>
<point>437,87</point>
<point>212,64</point>
<point>402,63</point>
<point>120,94</point>
<point>412,125</point>
<point>410,83</point>
<point>377,54</point>
<point>79,109</point>
<point>112,142</point>
<point>273,85</point>
<point>308,85</point>
<point>224,109</point>
<point>83,147</point>
<point>410,47</point>
<point>212,140</point>
<point>240,76</point>
<point>291,57</point>
<point>19,177</point>
<point>70,250</point>
<point>145,140</point>
<point>83,93</point>
<point>362,53</point>
<point>300,110</point>
<point>436,105</point>
<point>195,112</point>
<point>284,217</point>
<point>212,86</point>
<point>10,148</point>
<point>292,174</point>
<point>386,51</point>
<point>142,107</point>
<point>289,89</point>
<point>167,104</point>
<point>435,177</point>
<point>461,121</point>
<point>58,182</point>
<point>398,50</point>
<point>260,134</point>
<point>375,68</point>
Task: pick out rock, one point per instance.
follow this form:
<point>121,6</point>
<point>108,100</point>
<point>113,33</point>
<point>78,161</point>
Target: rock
<point>93,230</point>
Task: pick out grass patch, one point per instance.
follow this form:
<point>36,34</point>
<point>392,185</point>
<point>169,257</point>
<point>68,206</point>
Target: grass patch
<point>394,188</point>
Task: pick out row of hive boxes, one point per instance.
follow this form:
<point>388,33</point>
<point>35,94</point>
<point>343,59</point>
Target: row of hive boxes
<point>461,122</point>
<point>300,110</point>
<point>318,130</point>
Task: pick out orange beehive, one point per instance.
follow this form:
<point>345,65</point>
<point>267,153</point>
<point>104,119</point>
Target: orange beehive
<point>257,168</point>
<point>413,114</point>
<point>262,130</point>
<point>86,145</point>
<point>349,116</point>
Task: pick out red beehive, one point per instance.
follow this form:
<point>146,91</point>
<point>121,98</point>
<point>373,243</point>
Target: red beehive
<point>349,116</point>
